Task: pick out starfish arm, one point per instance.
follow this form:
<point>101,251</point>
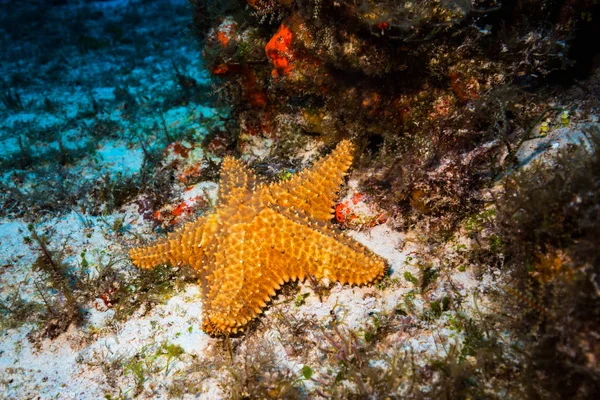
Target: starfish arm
<point>162,252</point>
<point>177,248</point>
<point>314,191</point>
<point>236,179</point>
<point>238,281</point>
<point>305,245</point>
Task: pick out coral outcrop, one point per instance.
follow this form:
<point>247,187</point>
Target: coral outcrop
<point>416,85</point>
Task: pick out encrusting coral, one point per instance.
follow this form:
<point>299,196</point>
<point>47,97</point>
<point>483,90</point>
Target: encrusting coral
<point>263,235</point>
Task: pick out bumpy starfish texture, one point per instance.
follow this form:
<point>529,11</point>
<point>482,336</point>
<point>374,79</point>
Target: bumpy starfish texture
<point>263,235</point>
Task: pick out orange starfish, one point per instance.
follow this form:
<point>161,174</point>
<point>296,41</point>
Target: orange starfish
<point>263,235</point>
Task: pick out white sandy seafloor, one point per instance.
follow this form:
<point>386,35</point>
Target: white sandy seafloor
<point>76,364</point>
<point>70,366</point>
<point>82,363</point>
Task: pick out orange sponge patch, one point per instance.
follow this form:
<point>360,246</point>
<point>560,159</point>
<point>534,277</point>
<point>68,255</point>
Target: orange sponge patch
<point>278,50</point>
